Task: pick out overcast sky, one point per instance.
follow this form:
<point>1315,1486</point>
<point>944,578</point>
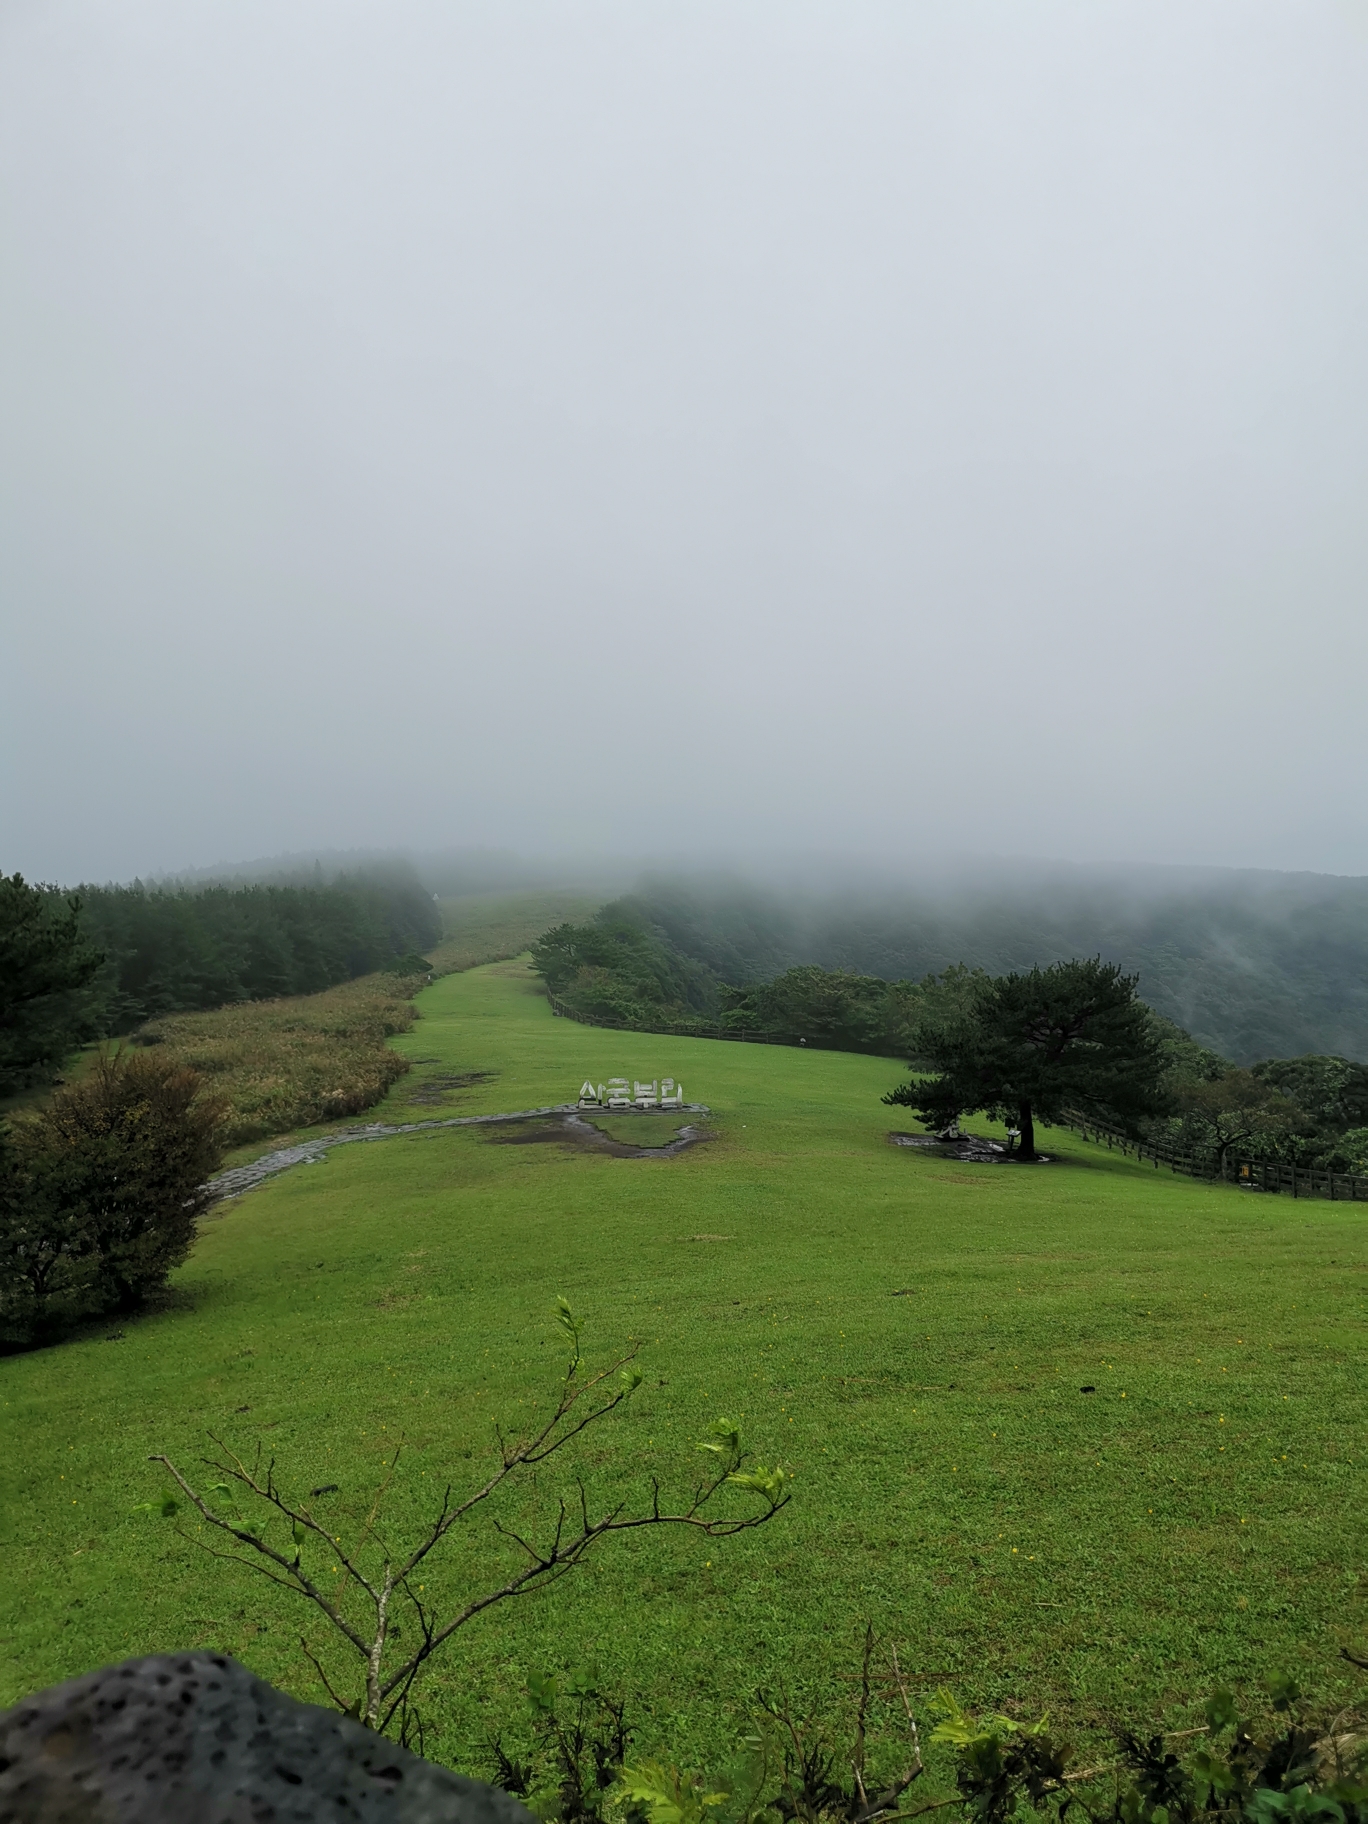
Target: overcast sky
<point>730,426</point>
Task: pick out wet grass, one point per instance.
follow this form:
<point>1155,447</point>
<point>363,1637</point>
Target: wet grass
<point>909,1336</point>
<point>489,927</point>
<point>640,1130</point>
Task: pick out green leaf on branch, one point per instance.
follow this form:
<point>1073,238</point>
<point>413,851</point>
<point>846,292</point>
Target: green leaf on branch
<point>1298,1806</point>
<point>961,1730</point>
<point>570,1324</point>
<point>723,1440</point>
<point>1220,1711</point>
<point>542,1692</point>
<point>766,1482</point>
<point>1284,1690</point>
<point>667,1795</point>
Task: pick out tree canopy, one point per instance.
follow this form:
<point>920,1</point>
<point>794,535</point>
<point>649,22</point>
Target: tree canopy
<point>1036,1046</point>
<point>104,960</point>
<point>101,1191</point>
<point>45,960</point>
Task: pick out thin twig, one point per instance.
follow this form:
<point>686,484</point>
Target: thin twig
<point>327,1682</point>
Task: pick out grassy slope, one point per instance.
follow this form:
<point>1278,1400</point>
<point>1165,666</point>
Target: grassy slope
<point>484,926</point>
<point>1199,1517</point>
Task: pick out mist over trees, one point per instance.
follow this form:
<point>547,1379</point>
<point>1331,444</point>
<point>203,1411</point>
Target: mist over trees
<point>1098,1049</point>
<point>1252,965</point>
<point>105,960</point>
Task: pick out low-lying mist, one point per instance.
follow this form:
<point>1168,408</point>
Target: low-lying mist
<point>1253,963</point>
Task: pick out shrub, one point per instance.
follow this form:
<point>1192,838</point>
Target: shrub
<point>100,1194</point>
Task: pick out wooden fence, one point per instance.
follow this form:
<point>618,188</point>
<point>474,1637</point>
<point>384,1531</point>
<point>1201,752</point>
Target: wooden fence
<point>1253,1174</point>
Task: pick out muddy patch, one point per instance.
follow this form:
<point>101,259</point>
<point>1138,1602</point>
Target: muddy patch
<point>571,1129</point>
<point>971,1149</point>
<point>240,1178</point>
<point>433,1092</point>
<point>529,1133</point>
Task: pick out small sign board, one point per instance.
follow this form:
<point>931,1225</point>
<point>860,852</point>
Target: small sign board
<point>619,1092</point>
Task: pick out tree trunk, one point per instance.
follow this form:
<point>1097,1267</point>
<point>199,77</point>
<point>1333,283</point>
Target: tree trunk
<point>1027,1148</point>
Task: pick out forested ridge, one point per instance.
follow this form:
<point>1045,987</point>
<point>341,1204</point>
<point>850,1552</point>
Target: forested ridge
<point>625,968</point>
<point>154,950</point>
<point>1253,965</point>
<point>179,950</point>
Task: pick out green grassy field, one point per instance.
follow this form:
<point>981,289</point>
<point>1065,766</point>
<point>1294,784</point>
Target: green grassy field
<point>482,926</point>
<point>909,1337</point>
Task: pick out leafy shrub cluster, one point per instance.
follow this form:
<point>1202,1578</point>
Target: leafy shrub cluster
<point>573,1763</point>
<point>100,1193</point>
<point>1310,1111</point>
<point>618,969</point>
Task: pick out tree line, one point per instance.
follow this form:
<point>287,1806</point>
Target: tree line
<point>1030,1045</point>
<point>101,961</point>
<point>1255,965</point>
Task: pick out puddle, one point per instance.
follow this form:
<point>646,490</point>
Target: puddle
<point>572,1129</point>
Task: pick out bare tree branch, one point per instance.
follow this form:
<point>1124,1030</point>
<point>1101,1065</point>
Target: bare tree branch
<point>577,1406</point>
<point>327,1682</point>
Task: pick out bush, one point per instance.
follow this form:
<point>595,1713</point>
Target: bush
<point>100,1194</point>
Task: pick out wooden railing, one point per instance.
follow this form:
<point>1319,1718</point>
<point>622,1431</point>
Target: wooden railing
<point>1253,1174</point>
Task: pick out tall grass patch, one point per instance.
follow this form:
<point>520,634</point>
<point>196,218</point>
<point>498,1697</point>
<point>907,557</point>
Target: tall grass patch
<point>297,1061</point>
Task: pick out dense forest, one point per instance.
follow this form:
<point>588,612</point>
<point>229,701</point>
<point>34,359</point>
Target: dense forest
<point>1253,965</point>
<point>172,949</point>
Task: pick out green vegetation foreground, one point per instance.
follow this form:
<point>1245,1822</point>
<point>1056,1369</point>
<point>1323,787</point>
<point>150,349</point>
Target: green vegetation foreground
<point>909,1336</point>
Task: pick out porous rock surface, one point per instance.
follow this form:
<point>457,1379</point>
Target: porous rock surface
<point>194,1738</point>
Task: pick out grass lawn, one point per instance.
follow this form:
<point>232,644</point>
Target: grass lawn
<point>910,1337</point>
<point>479,926</point>
<point>642,1129</point>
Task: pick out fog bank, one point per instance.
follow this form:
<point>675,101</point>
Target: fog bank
<point>729,432</point>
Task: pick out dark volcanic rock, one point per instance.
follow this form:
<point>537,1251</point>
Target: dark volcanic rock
<point>194,1738</point>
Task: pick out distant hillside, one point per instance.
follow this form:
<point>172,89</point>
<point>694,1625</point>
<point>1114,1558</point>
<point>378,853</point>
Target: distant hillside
<point>1254,965</point>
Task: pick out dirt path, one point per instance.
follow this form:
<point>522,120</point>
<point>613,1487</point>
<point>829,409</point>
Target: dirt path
<point>563,1119</point>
